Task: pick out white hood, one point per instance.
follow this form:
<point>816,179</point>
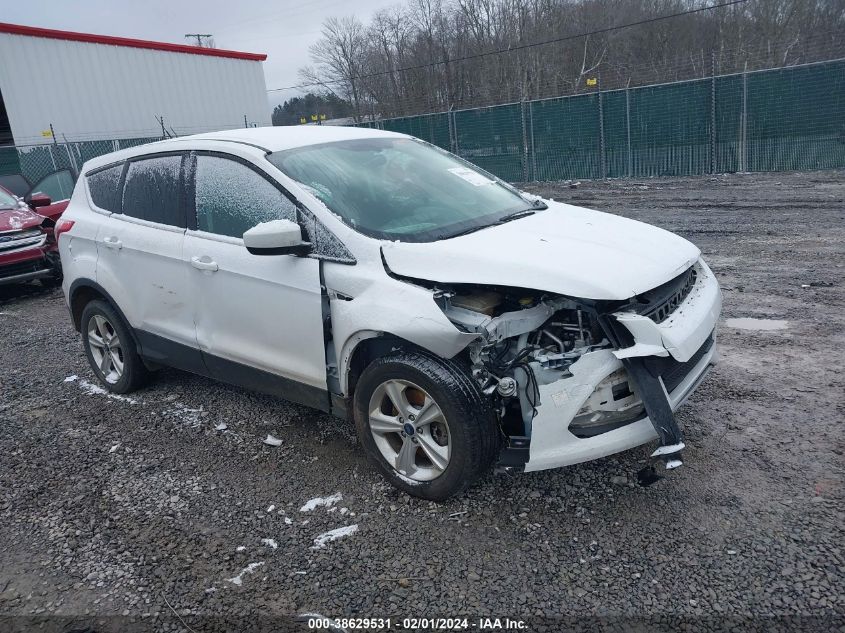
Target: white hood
<point>566,250</point>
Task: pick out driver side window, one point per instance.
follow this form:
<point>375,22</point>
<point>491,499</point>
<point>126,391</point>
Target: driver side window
<point>232,198</point>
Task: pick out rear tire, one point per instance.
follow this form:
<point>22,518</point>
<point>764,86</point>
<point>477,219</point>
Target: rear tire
<point>110,348</point>
<point>442,435</point>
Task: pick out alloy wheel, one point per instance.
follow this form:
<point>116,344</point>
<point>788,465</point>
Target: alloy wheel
<point>106,348</point>
<point>410,430</point>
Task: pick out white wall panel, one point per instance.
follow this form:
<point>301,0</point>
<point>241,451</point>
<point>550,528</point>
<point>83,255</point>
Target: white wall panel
<point>94,91</point>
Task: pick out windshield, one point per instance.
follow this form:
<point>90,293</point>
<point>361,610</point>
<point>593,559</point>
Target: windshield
<point>400,188</point>
<point>7,200</point>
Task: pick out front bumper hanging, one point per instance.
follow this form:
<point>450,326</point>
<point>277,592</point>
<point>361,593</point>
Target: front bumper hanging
<point>655,399</point>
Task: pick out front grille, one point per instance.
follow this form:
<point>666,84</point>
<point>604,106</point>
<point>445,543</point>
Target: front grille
<point>21,268</point>
<point>21,239</point>
<point>661,302</point>
<point>671,371</point>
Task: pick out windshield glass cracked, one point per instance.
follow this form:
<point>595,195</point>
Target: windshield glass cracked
<point>401,189</point>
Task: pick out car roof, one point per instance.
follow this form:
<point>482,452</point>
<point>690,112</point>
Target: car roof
<point>278,138</point>
<point>271,139</point>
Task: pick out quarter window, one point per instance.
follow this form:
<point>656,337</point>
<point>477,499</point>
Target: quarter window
<point>231,198</point>
<point>152,190</point>
<point>105,188</point>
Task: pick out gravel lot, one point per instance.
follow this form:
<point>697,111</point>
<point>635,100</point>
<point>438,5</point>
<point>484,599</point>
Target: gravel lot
<point>118,506</point>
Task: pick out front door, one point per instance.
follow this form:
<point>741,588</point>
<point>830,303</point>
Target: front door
<point>258,318</point>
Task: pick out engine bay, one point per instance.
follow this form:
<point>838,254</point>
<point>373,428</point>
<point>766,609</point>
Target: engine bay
<point>527,339</point>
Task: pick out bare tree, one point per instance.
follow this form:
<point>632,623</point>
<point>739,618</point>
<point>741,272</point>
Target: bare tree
<point>432,55</point>
<point>339,59</point>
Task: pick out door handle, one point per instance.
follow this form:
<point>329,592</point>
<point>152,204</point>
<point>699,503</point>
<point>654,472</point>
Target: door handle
<point>204,263</point>
<point>113,242</point>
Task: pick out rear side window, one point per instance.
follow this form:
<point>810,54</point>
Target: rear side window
<point>152,190</point>
<point>104,187</point>
<point>232,198</point>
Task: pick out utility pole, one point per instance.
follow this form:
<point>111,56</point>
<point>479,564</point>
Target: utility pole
<point>200,37</point>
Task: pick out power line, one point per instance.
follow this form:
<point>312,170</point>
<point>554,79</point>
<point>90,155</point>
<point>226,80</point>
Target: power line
<point>521,46</point>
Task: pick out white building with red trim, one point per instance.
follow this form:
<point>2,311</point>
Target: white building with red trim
<point>94,87</point>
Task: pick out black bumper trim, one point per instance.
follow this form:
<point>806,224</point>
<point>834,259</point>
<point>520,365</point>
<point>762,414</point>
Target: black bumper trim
<point>655,400</point>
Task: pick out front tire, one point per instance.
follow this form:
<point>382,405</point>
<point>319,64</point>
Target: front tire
<point>110,349</point>
<point>425,424</point>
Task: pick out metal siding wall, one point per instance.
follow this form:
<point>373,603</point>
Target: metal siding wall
<point>96,91</point>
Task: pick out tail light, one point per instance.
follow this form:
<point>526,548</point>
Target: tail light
<point>62,226</point>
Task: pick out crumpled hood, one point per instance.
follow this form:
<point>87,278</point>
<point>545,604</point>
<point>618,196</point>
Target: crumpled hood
<point>18,219</point>
<point>564,249</point>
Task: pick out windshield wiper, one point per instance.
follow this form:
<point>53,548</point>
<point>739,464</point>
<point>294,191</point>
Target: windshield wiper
<point>515,216</point>
<point>472,229</point>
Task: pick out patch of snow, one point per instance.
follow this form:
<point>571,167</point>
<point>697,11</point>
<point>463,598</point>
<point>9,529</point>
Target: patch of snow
<point>221,427</point>
<point>240,548</point>
<point>316,502</point>
<point>96,390</point>
<point>288,521</point>
<point>333,535</point>
<point>185,414</point>
<point>271,508</point>
<point>272,441</point>
<point>757,325</point>
<point>114,448</point>
<point>269,542</point>
<point>249,569</point>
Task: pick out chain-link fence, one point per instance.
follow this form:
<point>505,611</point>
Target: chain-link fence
<point>36,161</point>
<point>789,118</point>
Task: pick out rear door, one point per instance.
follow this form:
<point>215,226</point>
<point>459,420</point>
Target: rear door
<point>258,318</point>
<point>140,258</point>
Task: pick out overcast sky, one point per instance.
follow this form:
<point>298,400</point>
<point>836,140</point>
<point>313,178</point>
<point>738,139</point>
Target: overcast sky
<point>283,29</point>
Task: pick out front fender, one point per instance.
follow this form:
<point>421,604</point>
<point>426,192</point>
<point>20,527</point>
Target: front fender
<point>392,307</point>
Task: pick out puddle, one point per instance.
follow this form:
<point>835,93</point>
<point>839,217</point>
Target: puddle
<point>757,325</point>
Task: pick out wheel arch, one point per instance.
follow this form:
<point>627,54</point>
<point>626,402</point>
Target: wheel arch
<point>365,346</point>
<point>84,291</point>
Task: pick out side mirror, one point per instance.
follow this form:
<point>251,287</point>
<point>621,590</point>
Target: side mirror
<point>38,200</point>
<point>278,237</point>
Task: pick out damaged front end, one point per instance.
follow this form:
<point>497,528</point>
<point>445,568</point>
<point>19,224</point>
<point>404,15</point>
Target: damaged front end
<point>574,379</point>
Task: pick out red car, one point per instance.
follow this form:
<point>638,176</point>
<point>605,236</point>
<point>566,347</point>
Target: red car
<point>27,216</point>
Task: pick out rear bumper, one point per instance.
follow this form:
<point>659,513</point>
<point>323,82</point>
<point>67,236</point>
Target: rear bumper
<point>682,344</point>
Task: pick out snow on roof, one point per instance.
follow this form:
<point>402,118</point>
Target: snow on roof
<point>31,31</point>
<point>281,137</point>
<point>271,138</point>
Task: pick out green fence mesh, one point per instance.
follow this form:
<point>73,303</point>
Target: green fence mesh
<point>785,119</point>
<point>433,128</point>
<point>36,161</point>
<point>773,120</point>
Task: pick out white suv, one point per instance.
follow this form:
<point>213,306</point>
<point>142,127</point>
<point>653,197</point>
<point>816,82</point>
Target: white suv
<point>460,322</point>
